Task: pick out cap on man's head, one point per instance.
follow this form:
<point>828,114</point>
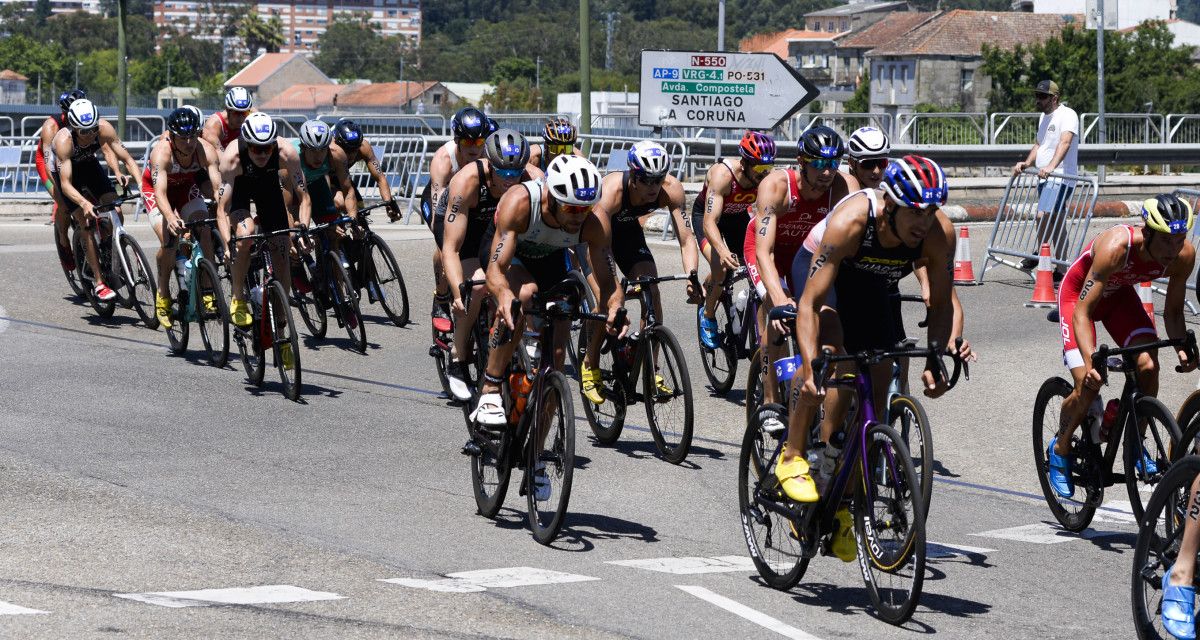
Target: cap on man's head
<point>1048,87</point>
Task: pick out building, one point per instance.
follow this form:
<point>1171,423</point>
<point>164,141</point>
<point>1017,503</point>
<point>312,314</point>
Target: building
<point>12,87</point>
<point>810,52</point>
<point>270,74</point>
<point>61,6</point>
<point>852,16</point>
<point>1130,13</point>
<point>852,49</point>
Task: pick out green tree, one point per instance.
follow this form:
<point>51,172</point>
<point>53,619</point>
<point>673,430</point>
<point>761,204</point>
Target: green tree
<point>41,11</point>
<point>258,33</point>
<point>860,102</point>
<point>98,72</point>
<point>514,96</point>
<point>350,48</point>
<point>203,56</point>
<point>514,68</point>
<point>169,68</point>
<point>31,57</point>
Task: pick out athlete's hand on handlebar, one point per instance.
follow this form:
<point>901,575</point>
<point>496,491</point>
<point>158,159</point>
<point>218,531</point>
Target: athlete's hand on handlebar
<point>730,261</point>
<point>617,323</point>
<point>393,210</point>
<point>695,290</point>
<point>963,351</point>
<point>935,383</point>
<point>504,308</point>
<point>1186,363</point>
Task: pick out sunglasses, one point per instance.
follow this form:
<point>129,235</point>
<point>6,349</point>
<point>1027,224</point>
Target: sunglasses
<point>873,164</point>
<point>471,142</point>
<point>261,149</point>
<point>89,131</point>
<point>821,164</point>
<point>560,149</point>
<point>575,209</point>
<point>650,181</point>
<point>508,175</point>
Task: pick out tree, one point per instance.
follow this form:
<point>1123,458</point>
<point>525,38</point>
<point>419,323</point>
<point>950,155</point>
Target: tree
<point>260,34</point>
<point>350,48</point>
<point>169,68</point>
<point>514,68</point>
<point>514,96</point>
<point>31,57</point>
<point>41,11</point>
<point>203,56</point>
<point>860,102</point>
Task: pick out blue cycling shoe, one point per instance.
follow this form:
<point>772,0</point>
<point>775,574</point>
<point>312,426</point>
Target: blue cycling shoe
<point>708,330</point>
<point>1178,609</point>
<point>1146,464</point>
<point>1060,471</point>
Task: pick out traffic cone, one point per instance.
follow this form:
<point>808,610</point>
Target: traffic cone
<point>1146,293</point>
<point>964,272</point>
<point>1043,288</point>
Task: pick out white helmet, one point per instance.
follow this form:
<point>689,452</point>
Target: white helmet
<point>239,99</point>
<point>573,180</point>
<point>82,114</point>
<point>196,110</point>
<point>315,134</point>
<point>259,129</point>
<point>868,142</point>
<point>649,158</point>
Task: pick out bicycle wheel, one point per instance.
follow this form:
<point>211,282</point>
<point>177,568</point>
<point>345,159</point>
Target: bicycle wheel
<point>177,334</point>
<point>555,421</point>
<point>1160,533</point>
<point>252,341</point>
<point>1189,426</point>
<point>284,335</point>
<point>889,526</point>
<point>390,291</point>
<point>669,403</point>
<point>490,468</point>
<point>1160,438</point>
<point>909,420</point>
<point>87,279</point>
<point>1074,513</point>
<point>777,553</point>
<point>308,302</point>
<point>720,364</point>
<point>606,419</point>
<point>214,321</point>
<point>346,301</point>
<point>140,285</point>
<point>754,390</point>
<point>577,347</point>
<point>72,275</point>
<point>439,350</point>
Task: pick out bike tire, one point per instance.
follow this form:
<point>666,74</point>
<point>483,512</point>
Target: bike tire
<point>754,391</point>
<point>672,432</point>
<point>250,340</point>
<point>557,454</point>
<point>312,312</point>
<point>214,325</point>
<point>102,308</point>
<point>441,357</point>
<point>908,418</point>
<point>577,349</point>
<point>1074,515</point>
<point>390,290</point>
<point>720,364</point>
<point>72,275</point>
<point>777,554</point>
<point>1189,426</point>
<point>490,467</point>
<point>177,334</point>
<point>140,285</point>
<point>1162,437</point>
<point>1160,532</point>
<point>606,419</point>
<point>277,303</point>
<point>888,468</point>
<point>345,299</point>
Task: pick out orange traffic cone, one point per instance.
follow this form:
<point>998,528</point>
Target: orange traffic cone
<point>1043,288</point>
<point>964,272</point>
<point>1146,293</point>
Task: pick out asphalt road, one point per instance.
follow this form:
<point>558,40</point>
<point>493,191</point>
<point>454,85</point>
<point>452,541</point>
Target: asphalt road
<point>125,472</point>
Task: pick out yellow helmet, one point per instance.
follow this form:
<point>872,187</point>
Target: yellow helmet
<point>1168,213</point>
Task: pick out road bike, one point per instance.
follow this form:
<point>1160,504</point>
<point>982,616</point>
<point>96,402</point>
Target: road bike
<point>272,327</point>
<point>123,264</point>
<point>197,296</point>
<point>737,331</point>
<point>377,273</point>
<point>1160,534</point>
<point>324,286</point>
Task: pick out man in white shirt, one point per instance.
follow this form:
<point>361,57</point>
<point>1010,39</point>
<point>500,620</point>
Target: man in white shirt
<point>1056,150</point>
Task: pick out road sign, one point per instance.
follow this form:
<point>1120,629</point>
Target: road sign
<point>719,89</point>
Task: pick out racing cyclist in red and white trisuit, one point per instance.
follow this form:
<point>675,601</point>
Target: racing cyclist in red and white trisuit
<point>223,126</point>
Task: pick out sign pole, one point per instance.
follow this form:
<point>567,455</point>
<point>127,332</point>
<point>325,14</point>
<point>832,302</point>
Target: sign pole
<point>585,70</point>
<point>1100,79</point>
<point>720,47</point>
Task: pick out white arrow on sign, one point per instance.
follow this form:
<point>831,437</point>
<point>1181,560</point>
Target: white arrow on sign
<point>719,90</point>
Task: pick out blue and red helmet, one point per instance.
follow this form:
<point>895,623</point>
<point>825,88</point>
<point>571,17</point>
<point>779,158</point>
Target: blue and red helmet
<point>916,182</point>
<point>757,148</point>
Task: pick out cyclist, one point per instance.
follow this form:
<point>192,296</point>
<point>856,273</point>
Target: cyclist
<point>790,203</point>
<point>320,158</point>
<point>868,149</point>
<point>83,182</point>
<point>721,212</point>
<point>348,136</point>
<point>260,170</point>
<point>558,139</point>
<point>464,231</point>
<point>628,197</point>
<point>44,159</point>
<point>535,225</point>
<point>171,191</point>
<point>222,127</point>
<point>1099,285</point>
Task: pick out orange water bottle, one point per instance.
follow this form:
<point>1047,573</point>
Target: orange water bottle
<point>521,386</point>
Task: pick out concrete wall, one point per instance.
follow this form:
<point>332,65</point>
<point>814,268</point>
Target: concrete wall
<point>893,84</point>
<point>295,71</point>
<point>941,81</point>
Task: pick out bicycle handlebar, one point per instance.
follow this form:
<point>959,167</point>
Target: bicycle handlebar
<point>341,220</point>
<point>367,210</point>
<point>1102,353</point>
<point>112,206</point>
<point>648,280</point>
<point>267,234</point>
<point>933,353</point>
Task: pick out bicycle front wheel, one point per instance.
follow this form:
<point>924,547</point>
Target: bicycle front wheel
<point>140,285</point>
<point>667,391</point>
<point>1074,513</point>
<point>346,301</point>
<point>213,314</point>
<point>307,301</point>
<point>390,291</point>
<point>606,419</point>
<point>550,463</point>
<point>72,275</point>
<point>770,536</point>
<point>908,418</point>
<point>720,364</point>
<point>754,387</point>
<point>889,526</point>
<point>1159,440</point>
<point>577,349</point>
<point>279,313</point>
<point>87,279</point>
<point>1160,534</point>
<point>1188,421</point>
<point>177,333</point>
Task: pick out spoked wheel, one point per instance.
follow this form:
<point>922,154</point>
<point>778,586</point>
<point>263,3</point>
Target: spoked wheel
<point>308,301</point>
<point>754,388</point>
<point>1157,442</point>
<point>213,315</point>
<point>1188,421</point>
<point>667,391</point>
<point>606,419</point>
<point>889,526</point>
<point>252,342</point>
<point>552,451</point>
<point>346,301</point>
<point>285,340</point>
<point>1160,534</point>
<point>777,553</point>
<point>439,350</point>
<point>140,286</point>
<point>909,420</point>
<point>489,465</point>
<point>1074,513</point>
<point>577,348</point>
<point>72,275</point>
<point>390,291</point>
<point>720,364</point>
<point>177,333</point>
<point>87,279</point>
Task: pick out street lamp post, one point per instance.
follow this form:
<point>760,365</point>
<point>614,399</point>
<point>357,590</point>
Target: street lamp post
<point>77,65</point>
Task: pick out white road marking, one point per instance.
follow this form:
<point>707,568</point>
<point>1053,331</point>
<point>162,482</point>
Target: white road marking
<point>475,581</point>
<point>9,609</point>
<point>3,323</point>
<point>944,550</point>
<point>690,565</point>
<point>1042,533</point>
<point>757,617</point>
<point>265,594</point>
<point>1115,511</point>
<point>27,248</point>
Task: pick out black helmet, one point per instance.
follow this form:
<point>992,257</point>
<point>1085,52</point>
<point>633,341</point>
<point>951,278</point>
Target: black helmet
<point>183,122</point>
<point>507,149</point>
<point>821,142</point>
<point>347,134</point>
<point>67,97</point>
<point>469,123</point>
<point>1167,213</point>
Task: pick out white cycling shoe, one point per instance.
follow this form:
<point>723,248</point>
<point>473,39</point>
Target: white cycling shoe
<point>490,411</point>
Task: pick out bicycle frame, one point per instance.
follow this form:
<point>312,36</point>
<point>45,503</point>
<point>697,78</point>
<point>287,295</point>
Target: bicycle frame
<point>746,339</point>
<point>193,283</point>
<point>110,215</point>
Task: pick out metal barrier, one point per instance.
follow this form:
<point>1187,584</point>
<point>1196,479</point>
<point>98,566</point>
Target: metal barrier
<point>1013,128</point>
<point>1057,210</point>
<point>1183,128</point>
<point>1124,128</point>
<point>529,124</point>
<point>402,159</point>
<point>607,153</point>
<point>846,123</point>
<point>394,124</point>
<point>941,128</point>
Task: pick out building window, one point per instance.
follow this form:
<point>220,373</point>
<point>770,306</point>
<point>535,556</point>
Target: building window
<point>845,25</point>
<point>829,26</point>
<point>967,83</point>
<point>437,99</point>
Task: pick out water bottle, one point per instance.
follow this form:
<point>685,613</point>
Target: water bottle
<point>1110,418</point>
<point>181,269</point>
<point>739,310</point>
<point>1095,416</point>
<point>816,453</point>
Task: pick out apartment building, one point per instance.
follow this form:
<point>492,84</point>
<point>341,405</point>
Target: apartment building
<point>61,6</point>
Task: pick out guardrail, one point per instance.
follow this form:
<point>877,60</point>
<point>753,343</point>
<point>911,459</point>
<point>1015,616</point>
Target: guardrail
<point>1013,128</point>
<point>394,124</point>
<point>846,123</point>
<point>942,128</point>
<point>1124,128</point>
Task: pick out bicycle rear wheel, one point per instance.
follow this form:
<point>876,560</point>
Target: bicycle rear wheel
<point>284,335</point>
<point>606,419</point>
<point>754,389</point>
<point>889,526</point>
<point>909,420</point>
<point>777,554</point>
<point>345,300</point>
<point>214,321</point>
<point>720,364</point>
<point>87,279</point>
<point>72,275</point>
<point>669,404</point>
<point>439,350</point>
<point>577,349</point>
<point>140,285</point>
<point>390,291</point>
<point>177,334</point>
<point>555,420</point>
<point>1188,421</point>
<point>307,301</point>
<point>1160,439</point>
<point>1157,548</point>
<point>1074,513</point>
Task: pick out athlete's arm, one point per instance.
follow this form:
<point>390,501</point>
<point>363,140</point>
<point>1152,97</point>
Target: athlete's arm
<point>212,131</point>
<point>720,184</point>
<point>290,157</point>
<point>45,151</point>
<point>440,173</point>
<point>211,157</point>
<point>772,201</point>
<point>62,150</point>
<point>597,233</point>
<point>843,234</point>
<point>110,141</point>
<point>372,162</point>
<point>512,217</point>
<point>462,194</point>
<point>230,164</point>
<point>939,261</point>
<point>611,192</point>
<point>1108,251</point>
<point>1178,274</point>
<point>160,165</point>
<point>672,197</point>
<point>340,167</point>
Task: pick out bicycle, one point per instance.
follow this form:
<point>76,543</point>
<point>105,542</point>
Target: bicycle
<point>1160,533</point>
<point>377,272</point>
<point>324,284</point>
<point>123,264</point>
<point>267,300</point>
<point>533,391</point>
<point>198,297</point>
<point>886,498</point>
<point>737,332</point>
<point>653,353</point>
<point>1094,453</point>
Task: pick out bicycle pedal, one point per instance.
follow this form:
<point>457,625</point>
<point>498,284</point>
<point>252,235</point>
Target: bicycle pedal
<point>472,448</point>
<point>434,351</point>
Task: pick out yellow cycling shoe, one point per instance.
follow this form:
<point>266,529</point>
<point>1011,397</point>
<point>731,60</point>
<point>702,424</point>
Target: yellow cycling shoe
<point>239,313</point>
<point>209,302</point>
<point>661,386</point>
<point>591,384</point>
<point>843,539</point>
<point>794,478</point>
<point>162,311</point>
<point>285,355</point>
